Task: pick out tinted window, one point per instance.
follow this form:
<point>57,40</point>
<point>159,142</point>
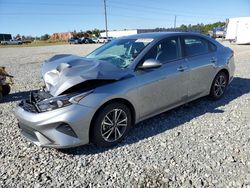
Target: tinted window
<point>195,46</point>
<point>165,51</point>
<point>212,47</point>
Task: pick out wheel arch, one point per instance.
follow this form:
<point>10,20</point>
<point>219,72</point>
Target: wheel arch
<point>221,70</point>
<point>225,71</point>
<point>117,100</point>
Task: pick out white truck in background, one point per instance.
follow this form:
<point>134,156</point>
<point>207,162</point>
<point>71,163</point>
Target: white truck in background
<point>218,32</point>
<point>238,30</point>
<point>11,42</point>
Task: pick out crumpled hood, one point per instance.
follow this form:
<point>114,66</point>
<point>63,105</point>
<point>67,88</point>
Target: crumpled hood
<point>62,72</point>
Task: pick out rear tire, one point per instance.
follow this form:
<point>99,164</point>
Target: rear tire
<point>219,86</point>
<point>111,125</point>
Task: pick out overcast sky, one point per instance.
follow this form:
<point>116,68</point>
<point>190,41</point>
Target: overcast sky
<point>37,17</point>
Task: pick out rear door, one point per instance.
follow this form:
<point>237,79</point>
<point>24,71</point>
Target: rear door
<point>200,55</point>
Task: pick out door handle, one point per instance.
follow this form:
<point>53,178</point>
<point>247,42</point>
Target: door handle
<point>181,68</point>
<point>213,60</point>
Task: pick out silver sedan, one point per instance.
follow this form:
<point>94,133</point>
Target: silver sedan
<point>98,98</point>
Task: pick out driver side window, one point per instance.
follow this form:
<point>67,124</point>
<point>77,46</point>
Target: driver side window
<point>165,51</point>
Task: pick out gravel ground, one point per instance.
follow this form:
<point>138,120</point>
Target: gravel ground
<point>202,144</point>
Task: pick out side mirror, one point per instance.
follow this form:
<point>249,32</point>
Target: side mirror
<point>150,64</point>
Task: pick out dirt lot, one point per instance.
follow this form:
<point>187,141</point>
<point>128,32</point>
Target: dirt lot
<point>202,144</point>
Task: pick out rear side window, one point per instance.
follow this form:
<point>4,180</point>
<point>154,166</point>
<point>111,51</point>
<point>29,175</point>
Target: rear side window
<point>212,47</point>
<point>195,46</point>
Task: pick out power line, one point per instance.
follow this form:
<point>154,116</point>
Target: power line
<point>184,18</point>
<point>126,5</point>
<point>120,6</point>
<point>161,22</point>
<point>161,12</point>
<point>48,4</point>
<point>129,7</point>
<point>154,8</point>
<point>45,14</point>
<point>128,17</point>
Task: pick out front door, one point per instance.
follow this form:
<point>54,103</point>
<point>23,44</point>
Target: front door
<point>165,87</point>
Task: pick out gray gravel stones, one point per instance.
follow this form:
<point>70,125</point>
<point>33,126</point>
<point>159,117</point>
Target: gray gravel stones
<point>202,144</point>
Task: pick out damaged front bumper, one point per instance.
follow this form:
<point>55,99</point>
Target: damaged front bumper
<point>61,128</point>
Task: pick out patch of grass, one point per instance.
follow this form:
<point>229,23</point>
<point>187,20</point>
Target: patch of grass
<point>35,43</point>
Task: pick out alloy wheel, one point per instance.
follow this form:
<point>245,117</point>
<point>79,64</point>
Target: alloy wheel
<point>220,85</point>
<point>114,125</point>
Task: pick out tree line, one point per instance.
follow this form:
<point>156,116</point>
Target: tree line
<point>45,37</point>
<point>201,28</point>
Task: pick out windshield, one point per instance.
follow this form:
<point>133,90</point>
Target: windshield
<point>120,52</point>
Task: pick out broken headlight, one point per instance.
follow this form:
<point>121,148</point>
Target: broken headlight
<point>53,103</point>
<point>60,101</point>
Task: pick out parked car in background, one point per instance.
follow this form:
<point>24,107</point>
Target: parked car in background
<point>87,40</point>
<point>27,41</point>
<point>74,40</point>
<point>98,98</point>
<point>218,32</point>
<point>11,42</point>
<point>94,39</point>
<point>104,39</point>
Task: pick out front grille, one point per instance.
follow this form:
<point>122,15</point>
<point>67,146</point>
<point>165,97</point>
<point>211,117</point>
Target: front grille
<point>28,132</point>
<point>39,96</point>
<point>29,104</point>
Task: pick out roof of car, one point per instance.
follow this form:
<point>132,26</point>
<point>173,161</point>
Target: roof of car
<point>155,35</point>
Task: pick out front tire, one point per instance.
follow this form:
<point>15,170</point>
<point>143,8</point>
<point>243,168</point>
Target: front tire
<point>1,96</point>
<point>111,125</point>
<point>219,86</point>
<point>5,89</point>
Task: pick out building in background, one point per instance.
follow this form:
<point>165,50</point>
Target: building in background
<point>122,33</point>
<point>61,36</point>
<point>5,37</point>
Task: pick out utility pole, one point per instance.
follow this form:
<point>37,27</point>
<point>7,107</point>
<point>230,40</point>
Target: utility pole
<point>106,19</point>
<point>175,21</point>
